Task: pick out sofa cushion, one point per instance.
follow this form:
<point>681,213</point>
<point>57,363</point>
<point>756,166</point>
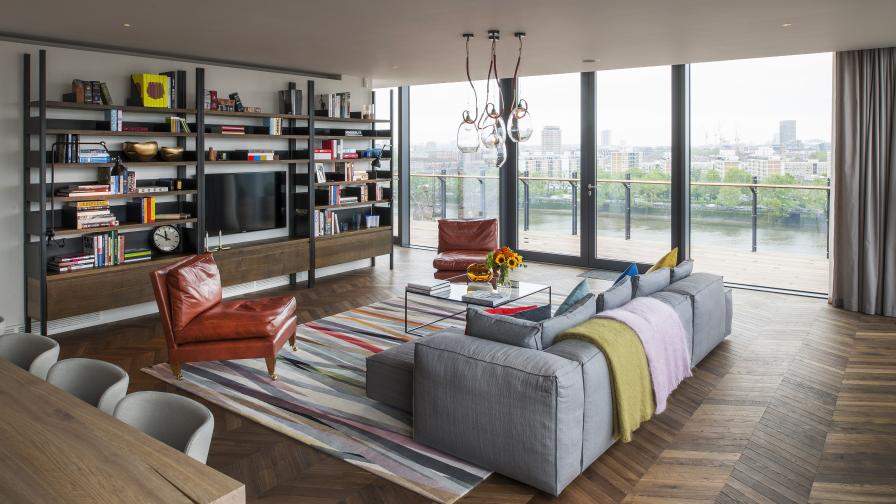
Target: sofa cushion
<point>503,329</point>
<point>685,311</point>
<point>667,261</point>
<point>458,260</point>
<point>615,296</point>
<point>510,311</point>
<point>193,288</point>
<point>654,281</point>
<point>578,293</point>
<point>630,271</point>
<point>390,373</point>
<point>707,293</point>
<point>577,314</point>
<point>683,270</point>
<point>468,234</point>
<point>538,314</point>
<point>239,319</point>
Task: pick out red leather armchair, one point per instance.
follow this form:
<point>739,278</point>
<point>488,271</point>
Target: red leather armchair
<point>200,326</point>
<point>463,242</point>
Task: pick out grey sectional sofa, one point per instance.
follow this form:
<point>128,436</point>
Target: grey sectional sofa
<point>540,416</point>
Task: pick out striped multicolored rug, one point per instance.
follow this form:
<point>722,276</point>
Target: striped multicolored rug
<point>319,397</point>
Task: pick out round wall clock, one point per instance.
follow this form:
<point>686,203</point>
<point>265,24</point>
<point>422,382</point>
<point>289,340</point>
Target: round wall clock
<point>166,238</point>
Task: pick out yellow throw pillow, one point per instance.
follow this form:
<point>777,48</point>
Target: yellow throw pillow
<point>669,260</point>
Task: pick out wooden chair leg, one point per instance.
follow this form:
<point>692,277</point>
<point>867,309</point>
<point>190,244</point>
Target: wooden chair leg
<point>271,362</point>
<point>175,370</point>
<point>292,342</point>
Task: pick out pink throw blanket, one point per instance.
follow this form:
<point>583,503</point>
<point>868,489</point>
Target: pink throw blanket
<point>664,341</point>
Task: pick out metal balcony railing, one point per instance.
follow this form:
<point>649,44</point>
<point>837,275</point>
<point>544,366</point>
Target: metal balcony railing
<point>525,179</point>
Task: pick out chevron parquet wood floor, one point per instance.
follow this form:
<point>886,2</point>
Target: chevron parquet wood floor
<point>798,405</point>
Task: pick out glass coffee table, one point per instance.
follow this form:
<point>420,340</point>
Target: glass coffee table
<point>460,285</point>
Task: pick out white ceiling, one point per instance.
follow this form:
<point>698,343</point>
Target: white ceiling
<point>418,41</point>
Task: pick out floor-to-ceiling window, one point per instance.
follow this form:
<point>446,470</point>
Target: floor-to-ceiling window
<point>633,119</point>
<point>444,183</point>
<point>548,188</point>
<point>760,170</point>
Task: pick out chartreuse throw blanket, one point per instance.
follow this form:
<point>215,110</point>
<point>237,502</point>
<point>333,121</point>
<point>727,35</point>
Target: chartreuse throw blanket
<point>632,390</point>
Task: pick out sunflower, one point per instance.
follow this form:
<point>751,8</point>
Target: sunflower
<point>512,263</point>
<point>500,259</point>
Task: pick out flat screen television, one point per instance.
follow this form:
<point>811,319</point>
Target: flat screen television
<point>243,202</point>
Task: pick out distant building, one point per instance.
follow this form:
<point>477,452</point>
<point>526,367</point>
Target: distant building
<point>622,161</point>
<point>787,132</point>
<point>763,167</point>
<point>606,138</point>
<point>551,139</point>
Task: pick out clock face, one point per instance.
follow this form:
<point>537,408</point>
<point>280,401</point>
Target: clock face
<point>166,238</point>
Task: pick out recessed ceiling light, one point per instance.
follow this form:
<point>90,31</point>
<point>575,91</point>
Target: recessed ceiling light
<point>590,60</point>
<point>394,67</point>
<point>126,25</point>
<point>786,25</point>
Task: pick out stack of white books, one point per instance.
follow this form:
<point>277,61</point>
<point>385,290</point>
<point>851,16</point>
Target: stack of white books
<point>485,298</point>
<point>429,287</point>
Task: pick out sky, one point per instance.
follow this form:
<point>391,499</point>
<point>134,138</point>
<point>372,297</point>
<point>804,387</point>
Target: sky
<point>743,99</point>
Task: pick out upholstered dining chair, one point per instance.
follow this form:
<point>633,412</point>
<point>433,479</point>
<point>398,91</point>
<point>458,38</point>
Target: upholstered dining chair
<point>31,352</point>
<point>200,326</point>
<point>98,383</point>
<point>175,420</point>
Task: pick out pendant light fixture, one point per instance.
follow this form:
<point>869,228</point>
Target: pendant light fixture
<point>519,120</point>
<point>467,132</point>
<point>489,129</point>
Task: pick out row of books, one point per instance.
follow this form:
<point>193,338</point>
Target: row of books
<point>66,150</point>
<point>141,210</point>
<point>124,182</point>
<point>83,91</point>
<point>260,155</point>
<point>334,105</point>
<point>290,101</point>
<point>116,119</point>
<point>326,222</point>
<point>88,215</point>
<point>178,125</point>
<point>274,125</point>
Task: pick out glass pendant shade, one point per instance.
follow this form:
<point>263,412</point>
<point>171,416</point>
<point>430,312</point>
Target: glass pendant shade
<point>520,123</point>
<point>496,156</point>
<point>467,135</point>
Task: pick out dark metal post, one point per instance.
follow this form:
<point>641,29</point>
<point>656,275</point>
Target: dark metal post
<point>588,119</point>
<point>628,206</point>
<point>42,150</point>
<point>508,190</point>
<point>312,186</point>
<point>482,201</point>
<point>199,199</point>
<point>404,166</point>
<point>443,194</point>
<point>681,160</point>
<point>575,203</point>
<point>526,201</point>
<point>26,181</point>
<point>755,209</point>
<point>291,182</point>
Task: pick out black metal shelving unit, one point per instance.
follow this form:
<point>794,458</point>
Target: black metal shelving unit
<point>300,221</point>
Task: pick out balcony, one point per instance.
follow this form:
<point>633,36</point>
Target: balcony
<point>749,243</point>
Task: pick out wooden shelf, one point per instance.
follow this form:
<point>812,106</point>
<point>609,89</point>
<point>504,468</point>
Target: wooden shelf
<point>263,115</point>
<point>128,226</point>
<point>350,137</point>
<point>124,108</point>
<point>353,232</point>
<point>255,135</point>
<point>350,120</point>
<point>350,205</point>
<point>353,182</point>
<point>263,161</point>
<point>124,196</point>
<point>129,164</point>
<point>342,160</point>
<point>102,133</point>
<point>118,268</point>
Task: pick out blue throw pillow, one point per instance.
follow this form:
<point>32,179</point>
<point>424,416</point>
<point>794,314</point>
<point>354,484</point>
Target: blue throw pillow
<point>574,297</point>
<point>631,271</point>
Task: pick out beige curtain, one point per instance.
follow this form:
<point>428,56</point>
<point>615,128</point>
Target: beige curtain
<point>864,165</point>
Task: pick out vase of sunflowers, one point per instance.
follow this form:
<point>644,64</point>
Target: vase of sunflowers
<point>503,261</point>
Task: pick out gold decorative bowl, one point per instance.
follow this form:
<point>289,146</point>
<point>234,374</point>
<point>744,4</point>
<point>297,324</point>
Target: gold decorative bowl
<point>171,153</point>
<point>479,273</point>
<point>140,151</point>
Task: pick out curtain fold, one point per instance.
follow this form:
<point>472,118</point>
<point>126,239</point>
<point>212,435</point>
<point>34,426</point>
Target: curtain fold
<point>864,166</point>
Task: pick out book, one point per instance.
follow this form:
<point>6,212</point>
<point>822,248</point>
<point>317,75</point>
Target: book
<point>485,298</point>
<point>428,284</point>
<point>106,95</point>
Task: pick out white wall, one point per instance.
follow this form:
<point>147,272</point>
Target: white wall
<point>256,88</point>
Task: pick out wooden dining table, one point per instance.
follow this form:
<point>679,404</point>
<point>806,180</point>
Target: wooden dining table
<point>56,448</point>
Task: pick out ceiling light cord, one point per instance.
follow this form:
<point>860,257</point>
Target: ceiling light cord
<point>466,114</point>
